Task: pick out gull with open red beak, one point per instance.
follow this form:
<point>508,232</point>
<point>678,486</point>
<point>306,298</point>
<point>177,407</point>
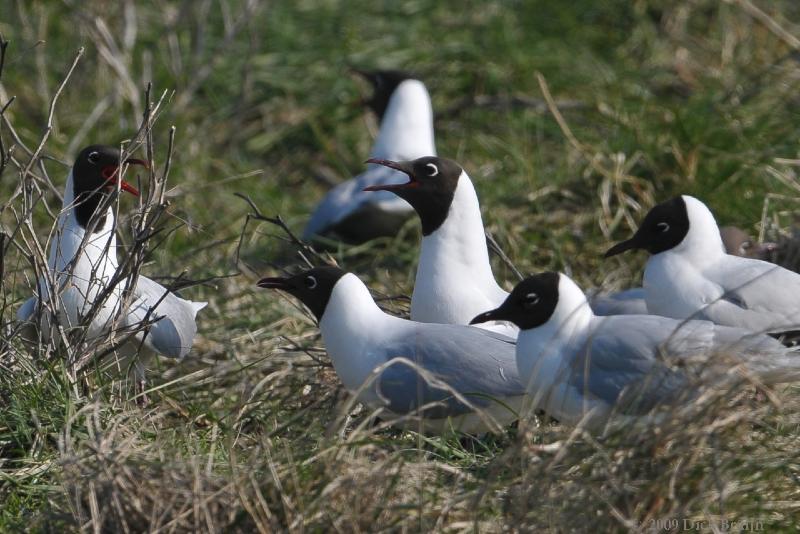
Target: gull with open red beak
<point>83,262</point>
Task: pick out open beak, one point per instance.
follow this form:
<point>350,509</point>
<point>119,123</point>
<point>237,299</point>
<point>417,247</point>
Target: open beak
<point>402,166</point>
<point>113,172</point>
<point>135,161</point>
<point>619,248</point>
<point>273,283</point>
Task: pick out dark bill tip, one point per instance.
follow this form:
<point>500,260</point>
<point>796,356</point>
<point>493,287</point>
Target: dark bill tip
<point>136,161</point>
<point>387,163</point>
<point>484,317</point>
<point>377,188</point>
<point>398,166</point>
<point>621,247</point>
<point>272,283</point>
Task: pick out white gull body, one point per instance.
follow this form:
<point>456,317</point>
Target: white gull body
<point>454,280</point>
<point>580,368</point>
<point>406,132</point>
<point>698,279</point>
<point>83,272</point>
<point>632,301</point>
<point>360,338</point>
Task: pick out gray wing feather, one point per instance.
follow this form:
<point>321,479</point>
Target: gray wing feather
<point>349,196</point>
<point>628,302</point>
<point>478,364</point>
<point>25,314</point>
<point>632,363</point>
<point>624,370</point>
<point>26,311</point>
<point>174,329</point>
<point>758,295</point>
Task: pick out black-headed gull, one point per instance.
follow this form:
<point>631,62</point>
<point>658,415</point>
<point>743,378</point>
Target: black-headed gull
<point>348,213</point>
<point>454,280</point>
<point>690,275</point>
<point>632,302</point>
<point>81,267</point>
<point>578,367</point>
<point>361,340</point>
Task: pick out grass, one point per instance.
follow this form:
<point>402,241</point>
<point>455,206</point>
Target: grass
<point>253,431</point>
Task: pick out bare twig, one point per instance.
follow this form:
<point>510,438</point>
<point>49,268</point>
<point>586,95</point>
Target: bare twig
<point>771,24</point>
<point>3,46</point>
<point>51,113</point>
<point>304,249</point>
<point>502,255</point>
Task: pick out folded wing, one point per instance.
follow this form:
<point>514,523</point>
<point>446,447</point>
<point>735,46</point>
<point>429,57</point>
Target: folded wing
<point>477,364</point>
<point>173,327</point>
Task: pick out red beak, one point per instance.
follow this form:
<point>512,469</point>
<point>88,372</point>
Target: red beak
<point>125,186</point>
<point>112,172</point>
<point>402,166</point>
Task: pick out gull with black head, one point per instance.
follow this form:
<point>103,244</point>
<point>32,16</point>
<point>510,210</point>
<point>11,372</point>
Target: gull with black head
<point>403,106</point>
<point>82,262</point>
<point>454,280</point>
<point>440,376</point>
<point>690,275</point>
<point>632,301</point>
<point>580,368</point>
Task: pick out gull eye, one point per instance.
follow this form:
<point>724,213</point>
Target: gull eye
<point>530,300</point>
<point>94,157</point>
<point>311,282</point>
<point>433,170</point>
<point>746,246</point>
<point>664,227</point>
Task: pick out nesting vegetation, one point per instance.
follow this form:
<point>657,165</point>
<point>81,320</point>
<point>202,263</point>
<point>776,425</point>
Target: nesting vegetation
<point>571,118</point>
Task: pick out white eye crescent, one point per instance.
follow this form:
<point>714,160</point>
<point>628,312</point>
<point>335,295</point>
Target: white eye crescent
<point>531,299</point>
<point>663,226</point>
<point>434,170</point>
<point>311,282</point>
<point>94,157</point>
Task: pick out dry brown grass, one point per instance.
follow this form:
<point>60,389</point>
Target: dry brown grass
<point>254,431</point>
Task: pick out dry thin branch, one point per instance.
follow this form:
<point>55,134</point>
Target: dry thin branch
<point>502,255</point>
<point>304,248</point>
<point>51,113</point>
<point>771,24</point>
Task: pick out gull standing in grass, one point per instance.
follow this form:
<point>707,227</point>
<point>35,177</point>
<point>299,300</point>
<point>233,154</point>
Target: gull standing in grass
<point>456,377</point>
<point>579,367</point>
<point>690,275</point>
<point>406,131</point>
<point>82,263</point>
